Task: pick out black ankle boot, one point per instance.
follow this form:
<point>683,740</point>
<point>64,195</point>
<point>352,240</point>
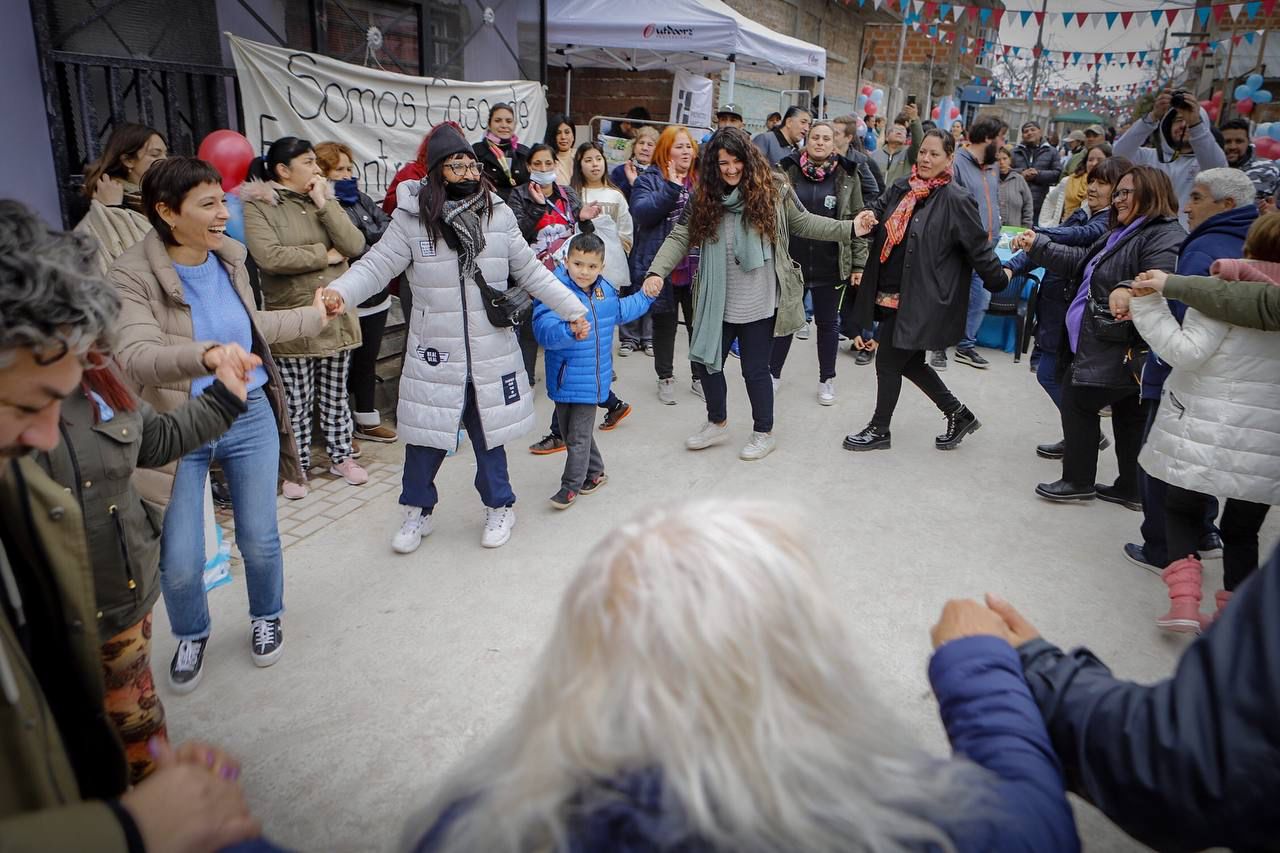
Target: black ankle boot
<point>871,438</point>
<point>960,423</point>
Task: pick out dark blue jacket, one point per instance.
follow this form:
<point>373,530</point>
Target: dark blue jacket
<point>653,199</point>
<point>1193,761</point>
<point>1220,236</point>
<point>581,371</point>
<point>1081,228</point>
<point>990,718</point>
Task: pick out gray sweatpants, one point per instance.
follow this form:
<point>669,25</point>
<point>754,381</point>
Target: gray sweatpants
<point>577,425</point>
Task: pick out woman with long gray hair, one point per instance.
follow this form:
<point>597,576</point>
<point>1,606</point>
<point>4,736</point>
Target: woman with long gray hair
<point>699,692</point>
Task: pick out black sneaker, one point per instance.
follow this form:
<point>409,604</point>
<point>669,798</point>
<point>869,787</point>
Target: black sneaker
<point>564,498</point>
<point>268,641</point>
<point>871,438</point>
<point>547,445</point>
<point>187,665</point>
<point>938,359</point>
<point>1112,495</point>
<point>960,423</point>
<point>593,484</point>
<point>614,416</point>
<point>221,492</point>
<point>1137,554</point>
<point>971,358</point>
<point>1062,491</point>
<point>1210,547</point>
<point>864,357</point>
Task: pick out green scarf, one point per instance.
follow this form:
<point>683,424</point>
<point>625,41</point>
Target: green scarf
<point>752,251</point>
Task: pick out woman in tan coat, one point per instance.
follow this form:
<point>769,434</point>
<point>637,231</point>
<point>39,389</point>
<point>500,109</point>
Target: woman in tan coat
<point>186,308</point>
<point>300,238</point>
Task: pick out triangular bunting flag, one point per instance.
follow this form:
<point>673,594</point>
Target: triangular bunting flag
<point>1202,14</point>
<point>1039,18</point>
<point>903,5</point>
<point>1219,12</point>
<point>972,12</point>
<point>1268,6</point>
<point>1172,15</point>
<point>1081,17</point>
<point>1156,15</point>
<point>1235,9</point>
<point>984,15</point>
<point>1066,18</point>
<point>1075,58</point>
<point>956,12</point>
<point>1125,18</point>
<point>997,18</point>
<point>1097,58</point>
<point>1249,37</point>
<point>1111,19</point>
<point>1251,9</point>
<point>1026,16</point>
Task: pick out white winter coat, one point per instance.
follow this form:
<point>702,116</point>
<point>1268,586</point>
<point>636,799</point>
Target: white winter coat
<point>450,338</point>
<point>1218,427</point>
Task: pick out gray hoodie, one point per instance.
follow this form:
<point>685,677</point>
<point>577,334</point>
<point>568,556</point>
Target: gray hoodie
<point>1181,169</point>
<point>984,184</point>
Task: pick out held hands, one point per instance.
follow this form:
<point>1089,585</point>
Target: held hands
<point>1118,302</point>
<point>1030,174</point>
<point>867,346</point>
<point>330,302</point>
<point>1023,241</point>
<point>864,223</point>
<point>108,192</point>
<point>233,355</point>
<point>317,193</point>
<point>1151,281</point>
<point>580,327</point>
<point>652,286</point>
<point>967,618</point>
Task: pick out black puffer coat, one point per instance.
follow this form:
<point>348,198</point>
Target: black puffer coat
<point>1154,246</point>
<point>945,244</point>
<point>504,182</point>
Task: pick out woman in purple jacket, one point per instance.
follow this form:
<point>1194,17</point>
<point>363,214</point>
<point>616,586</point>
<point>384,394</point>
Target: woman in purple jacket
<point>700,692</point>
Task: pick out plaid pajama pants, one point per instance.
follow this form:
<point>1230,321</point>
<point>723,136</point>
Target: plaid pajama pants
<point>322,382</point>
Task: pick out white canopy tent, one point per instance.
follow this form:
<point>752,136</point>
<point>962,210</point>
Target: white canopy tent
<point>696,35</point>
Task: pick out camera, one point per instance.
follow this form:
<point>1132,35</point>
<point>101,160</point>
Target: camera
<point>1181,100</point>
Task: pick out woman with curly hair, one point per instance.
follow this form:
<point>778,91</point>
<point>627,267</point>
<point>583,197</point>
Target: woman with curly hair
<point>742,215</point>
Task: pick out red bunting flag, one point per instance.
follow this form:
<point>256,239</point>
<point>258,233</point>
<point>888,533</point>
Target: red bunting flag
<point>972,12</point>
<point>995,18</point>
<point>1268,6</point>
<point>1219,12</point>
<point>1080,18</point>
<point>1040,16</point>
<point>1172,14</point>
<point>1125,17</point>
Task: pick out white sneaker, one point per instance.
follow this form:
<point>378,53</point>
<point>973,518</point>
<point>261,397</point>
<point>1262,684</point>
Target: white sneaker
<point>709,434</point>
<point>696,388</point>
<point>416,524</point>
<point>760,446</point>
<point>803,334</point>
<point>497,526</point>
<point>777,383</point>
<point>827,393</point>
<point>667,391</point>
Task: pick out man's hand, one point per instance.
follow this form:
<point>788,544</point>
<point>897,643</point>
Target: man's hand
<point>1149,281</point>
<point>1023,241</point>
<point>1019,629</point>
<point>911,112</point>
<point>1190,112</point>
<point>963,617</point>
<point>864,223</point>
<point>108,192</point>
<point>333,256</point>
<point>1161,106</point>
<point>1030,174</point>
<point>856,279</point>
<point>1118,302</point>
<point>867,345</point>
<point>580,327</point>
<point>652,286</point>
<point>317,192</point>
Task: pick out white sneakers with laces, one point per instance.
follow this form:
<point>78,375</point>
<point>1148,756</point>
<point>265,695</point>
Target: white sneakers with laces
<point>667,391</point>
<point>497,526</point>
<point>827,393</point>
<point>710,434</point>
<point>413,527</point>
<point>760,446</point>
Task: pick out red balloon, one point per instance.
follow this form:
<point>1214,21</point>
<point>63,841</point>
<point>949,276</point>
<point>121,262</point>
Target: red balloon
<point>870,108</point>
<point>937,113</point>
<point>955,112</point>
<point>1244,106</point>
<point>867,90</point>
<point>228,152</point>
<point>1267,147</point>
<point>1217,97</point>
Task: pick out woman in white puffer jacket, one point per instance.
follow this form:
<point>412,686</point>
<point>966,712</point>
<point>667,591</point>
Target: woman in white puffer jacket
<point>460,371</point>
<point>1217,431</point>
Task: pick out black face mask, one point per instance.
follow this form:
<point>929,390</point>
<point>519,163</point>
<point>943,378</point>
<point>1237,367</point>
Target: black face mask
<point>462,189</point>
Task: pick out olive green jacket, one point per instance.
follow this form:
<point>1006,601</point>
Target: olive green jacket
<point>849,203</point>
<point>791,219</point>
<point>95,462</point>
<point>44,805</point>
<point>289,240</point>
<point>1252,304</point>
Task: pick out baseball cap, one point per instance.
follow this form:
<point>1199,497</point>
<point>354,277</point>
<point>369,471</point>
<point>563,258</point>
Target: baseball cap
<point>729,110</point>
<point>1096,130</point>
<point>1075,136</point>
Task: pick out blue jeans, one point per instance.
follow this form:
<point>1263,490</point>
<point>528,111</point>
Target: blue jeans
<point>250,456</point>
<point>418,482</point>
<point>808,305</point>
<point>979,299</point>
<point>1047,375</point>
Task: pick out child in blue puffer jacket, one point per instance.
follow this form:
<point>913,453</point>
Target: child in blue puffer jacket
<point>579,372</point>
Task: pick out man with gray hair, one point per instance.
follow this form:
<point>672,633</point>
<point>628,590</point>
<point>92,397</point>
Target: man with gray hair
<point>1219,210</point>
<point>64,778</point>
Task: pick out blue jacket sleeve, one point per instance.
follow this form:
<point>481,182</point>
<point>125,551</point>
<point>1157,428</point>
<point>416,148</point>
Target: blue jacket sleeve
<point>1077,235</point>
<point>992,720</point>
<point>633,307</point>
<point>1191,762</point>
<point>1019,263</point>
<point>549,329</point>
<point>653,198</point>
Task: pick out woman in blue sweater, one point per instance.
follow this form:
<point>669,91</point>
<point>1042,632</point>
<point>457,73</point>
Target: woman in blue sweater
<point>700,692</point>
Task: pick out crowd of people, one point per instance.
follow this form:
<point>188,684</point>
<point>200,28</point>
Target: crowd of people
<point>148,346</point>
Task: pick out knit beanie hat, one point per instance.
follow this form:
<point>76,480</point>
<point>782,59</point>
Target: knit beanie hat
<point>445,141</point>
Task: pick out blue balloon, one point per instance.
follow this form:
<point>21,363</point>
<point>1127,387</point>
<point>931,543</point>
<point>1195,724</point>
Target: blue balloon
<point>862,102</point>
<point>877,95</point>
<point>1254,82</point>
<point>235,225</point>
<point>1262,96</point>
<point>1274,131</point>
<point>1243,92</point>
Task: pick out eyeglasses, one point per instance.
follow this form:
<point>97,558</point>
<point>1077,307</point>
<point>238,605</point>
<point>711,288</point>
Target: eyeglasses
<point>463,168</point>
<point>1119,194</point>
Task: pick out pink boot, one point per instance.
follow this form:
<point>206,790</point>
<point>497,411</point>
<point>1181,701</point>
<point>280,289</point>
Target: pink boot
<point>1183,579</point>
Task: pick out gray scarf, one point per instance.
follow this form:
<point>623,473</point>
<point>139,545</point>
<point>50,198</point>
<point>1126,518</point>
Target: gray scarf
<point>462,217</point>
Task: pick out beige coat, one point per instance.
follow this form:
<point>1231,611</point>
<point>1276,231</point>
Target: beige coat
<point>114,228</point>
<point>289,240</point>
<point>155,345</point>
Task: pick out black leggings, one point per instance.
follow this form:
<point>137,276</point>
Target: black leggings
<point>362,376</point>
<point>664,332</point>
<point>826,303</point>
<point>1184,512</point>
<point>892,364</point>
<point>1082,430</point>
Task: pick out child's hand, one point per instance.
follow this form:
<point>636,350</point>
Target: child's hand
<point>652,286</point>
<point>580,327</point>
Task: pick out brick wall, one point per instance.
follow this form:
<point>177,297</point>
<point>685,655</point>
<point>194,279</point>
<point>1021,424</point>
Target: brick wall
<point>606,91</point>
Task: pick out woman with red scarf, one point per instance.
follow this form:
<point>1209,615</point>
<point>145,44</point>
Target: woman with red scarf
<point>916,284</point>
<point>503,158</point>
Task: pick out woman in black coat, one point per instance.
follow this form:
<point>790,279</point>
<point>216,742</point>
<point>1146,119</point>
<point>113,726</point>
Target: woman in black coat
<point>504,160</point>
<point>1101,358</point>
<point>928,241</point>
<point>335,160</point>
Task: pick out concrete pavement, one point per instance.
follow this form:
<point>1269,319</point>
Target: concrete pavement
<point>395,666</point>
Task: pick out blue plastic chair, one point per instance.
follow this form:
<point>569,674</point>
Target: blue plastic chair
<point>1018,301</point>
